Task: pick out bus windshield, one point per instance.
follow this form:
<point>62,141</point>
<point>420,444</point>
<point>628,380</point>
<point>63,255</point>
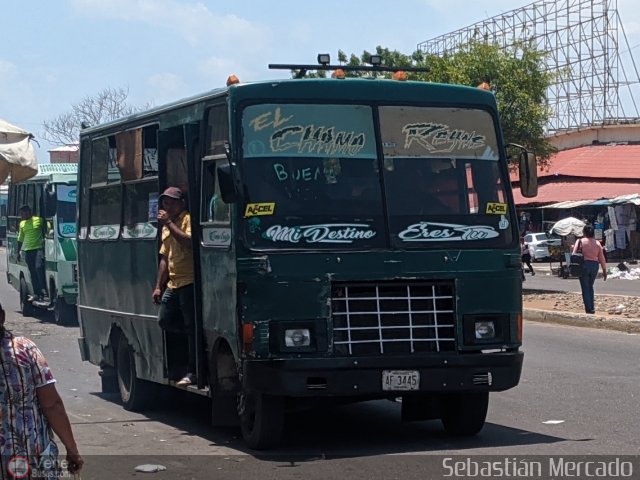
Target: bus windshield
<point>315,179</point>
<point>66,210</point>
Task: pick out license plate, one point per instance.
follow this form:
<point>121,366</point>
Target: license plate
<point>403,380</point>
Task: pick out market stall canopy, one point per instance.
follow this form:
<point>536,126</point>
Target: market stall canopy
<point>619,200</point>
<point>17,155</point>
<point>568,226</point>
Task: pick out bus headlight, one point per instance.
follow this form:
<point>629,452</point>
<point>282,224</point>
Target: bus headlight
<point>300,337</point>
<point>485,329</point>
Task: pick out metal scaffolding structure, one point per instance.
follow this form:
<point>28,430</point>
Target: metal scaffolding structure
<point>582,39</point>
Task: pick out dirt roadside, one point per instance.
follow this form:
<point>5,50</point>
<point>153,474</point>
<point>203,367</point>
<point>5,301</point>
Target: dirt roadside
<point>621,307</point>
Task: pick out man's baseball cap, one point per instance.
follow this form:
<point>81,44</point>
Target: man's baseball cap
<point>173,192</point>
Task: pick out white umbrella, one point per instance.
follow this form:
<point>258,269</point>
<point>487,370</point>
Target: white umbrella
<point>17,155</point>
<point>567,226</point>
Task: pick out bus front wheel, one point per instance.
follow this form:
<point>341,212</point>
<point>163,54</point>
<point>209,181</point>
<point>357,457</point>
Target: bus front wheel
<point>464,414</point>
<point>261,420</point>
<point>135,393</point>
<point>225,385</point>
<point>25,306</point>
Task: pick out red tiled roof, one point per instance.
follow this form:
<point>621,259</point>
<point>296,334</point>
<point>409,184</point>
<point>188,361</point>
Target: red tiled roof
<point>595,161</point>
<point>562,191</point>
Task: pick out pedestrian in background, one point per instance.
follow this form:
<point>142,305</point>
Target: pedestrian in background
<point>30,234</point>
<point>593,256</point>
<point>30,407</point>
<point>526,257</point>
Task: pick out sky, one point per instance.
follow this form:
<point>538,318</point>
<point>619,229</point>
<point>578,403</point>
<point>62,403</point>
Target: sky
<point>55,53</point>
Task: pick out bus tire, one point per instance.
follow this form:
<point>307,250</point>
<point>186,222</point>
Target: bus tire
<point>136,394</point>
<point>261,420</point>
<point>464,414</point>
<point>109,380</point>
<point>26,307</point>
<point>64,313</point>
<point>224,385</point>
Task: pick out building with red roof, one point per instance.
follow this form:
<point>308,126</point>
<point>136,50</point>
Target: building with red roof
<point>595,169</point>
<point>592,164</point>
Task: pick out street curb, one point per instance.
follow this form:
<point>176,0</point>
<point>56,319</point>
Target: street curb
<point>582,320</point>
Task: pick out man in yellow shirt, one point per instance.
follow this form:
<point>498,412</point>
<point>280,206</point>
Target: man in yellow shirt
<point>175,271</point>
<point>30,234</point>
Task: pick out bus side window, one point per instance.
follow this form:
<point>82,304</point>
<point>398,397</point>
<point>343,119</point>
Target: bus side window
<point>177,174</point>
<point>33,199</point>
<point>213,209</point>
<point>13,202</point>
<point>138,163</point>
<point>105,194</point>
<point>84,181</point>
<point>48,201</point>
<point>140,205</point>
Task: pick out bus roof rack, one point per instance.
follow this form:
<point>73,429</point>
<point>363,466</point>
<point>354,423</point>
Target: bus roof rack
<point>303,69</point>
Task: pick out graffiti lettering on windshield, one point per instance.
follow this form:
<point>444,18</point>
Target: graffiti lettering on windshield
<point>320,140</point>
<point>306,174</point>
<point>289,136</point>
<point>269,119</point>
<point>321,233</point>
<point>437,138</point>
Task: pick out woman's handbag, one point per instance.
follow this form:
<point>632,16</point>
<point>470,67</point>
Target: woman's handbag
<point>577,258</point>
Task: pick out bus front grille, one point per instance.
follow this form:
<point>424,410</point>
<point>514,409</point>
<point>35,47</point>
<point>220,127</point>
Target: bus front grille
<point>392,318</point>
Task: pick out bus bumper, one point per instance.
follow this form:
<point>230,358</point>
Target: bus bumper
<point>363,376</point>
<point>70,294</point>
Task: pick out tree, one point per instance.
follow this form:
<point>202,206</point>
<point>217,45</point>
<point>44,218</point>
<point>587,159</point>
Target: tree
<point>108,104</point>
<point>516,76</point>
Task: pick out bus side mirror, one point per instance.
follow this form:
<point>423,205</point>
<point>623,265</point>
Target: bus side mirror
<point>528,174</point>
<point>225,181</point>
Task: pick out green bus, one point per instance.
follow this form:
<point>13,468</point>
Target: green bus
<point>353,239</point>
<point>51,194</point>
<point>4,197</point>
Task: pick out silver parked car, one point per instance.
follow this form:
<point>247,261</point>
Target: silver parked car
<point>539,244</point>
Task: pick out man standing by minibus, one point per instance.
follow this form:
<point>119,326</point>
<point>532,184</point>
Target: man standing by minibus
<point>175,271</point>
<point>31,235</point>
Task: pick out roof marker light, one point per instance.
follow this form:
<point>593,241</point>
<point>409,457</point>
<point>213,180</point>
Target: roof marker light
<point>324,58</point>
<point>400,75</point>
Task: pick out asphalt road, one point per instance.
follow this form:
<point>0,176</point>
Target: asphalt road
<point>578,396</point>
<point>544,280</point>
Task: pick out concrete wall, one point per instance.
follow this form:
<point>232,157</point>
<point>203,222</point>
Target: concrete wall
<point>602,134</point>
<point>64,156</point>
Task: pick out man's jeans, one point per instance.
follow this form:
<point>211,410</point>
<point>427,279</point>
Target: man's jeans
<point>587,279</point>
<point>35,262</point>
<point>177,309</point>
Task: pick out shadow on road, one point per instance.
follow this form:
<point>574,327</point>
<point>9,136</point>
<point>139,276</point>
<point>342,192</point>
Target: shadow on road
<point>45,316</point>
<point>356,430</point>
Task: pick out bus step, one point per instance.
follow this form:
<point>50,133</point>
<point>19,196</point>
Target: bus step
<point>191,388</point>
<point>44,304</point>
